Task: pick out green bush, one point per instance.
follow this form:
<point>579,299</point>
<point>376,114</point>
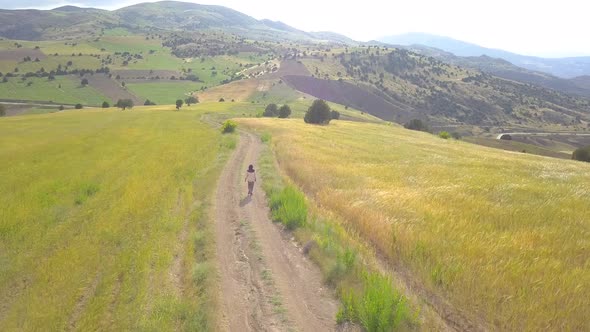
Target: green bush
<point>444,135</point>
<point>105,104</point>
<point>124,103</point>
<point>265,138</point>
<point>416,124</point>
<point>284,111</point>
<point>288,207</point>
<point>582,154</point>
<point>378,307</point>
<point>191,100</point>
<point>79,106</point>
<point>228,126</point>
<point>335,115</point>
<point>318,113</point>
<point>271,111</point>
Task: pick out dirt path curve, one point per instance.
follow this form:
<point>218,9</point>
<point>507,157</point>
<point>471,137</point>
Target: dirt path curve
<point>266,283</point>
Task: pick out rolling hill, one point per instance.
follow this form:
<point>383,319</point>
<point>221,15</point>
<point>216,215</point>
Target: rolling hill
<point>447,95</point>
<point>561,67</point>
<point>168,50</point>
<point>159,16</point>
<point>503,68</point>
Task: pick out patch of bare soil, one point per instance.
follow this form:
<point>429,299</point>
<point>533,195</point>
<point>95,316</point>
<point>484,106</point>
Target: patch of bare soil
<point>111,88</point>
<point>20,53</point>
<point>346,93</point>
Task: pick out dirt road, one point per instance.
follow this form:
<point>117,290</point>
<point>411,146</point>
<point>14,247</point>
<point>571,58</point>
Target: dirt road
<point>266,283</point>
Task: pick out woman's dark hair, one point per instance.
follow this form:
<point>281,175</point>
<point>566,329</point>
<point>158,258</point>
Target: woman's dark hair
<point>251,168</point>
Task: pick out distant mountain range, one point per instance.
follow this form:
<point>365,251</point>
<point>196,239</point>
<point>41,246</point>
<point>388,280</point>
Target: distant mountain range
<point>70,23</point>
<point>561,67</point>
<point>73,22</point>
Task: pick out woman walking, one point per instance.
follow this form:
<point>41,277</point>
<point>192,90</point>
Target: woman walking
<point>250,178</point>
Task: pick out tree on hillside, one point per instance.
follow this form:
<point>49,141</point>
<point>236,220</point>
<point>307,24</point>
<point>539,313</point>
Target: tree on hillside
<point>84,82</point>
<point>124,104</point>
<point>61,107</point>
<point>2,110</point>
<point>179,103</point>
<point>271,111</point>
<point>416,124</point>
<point>582,154</point>
<point>148,103</point>
<point>318,113</point>
<point>191,100</point>
<point>284,111</point>
<point>79,106</point>
<point>335,115</point>
<point>105,104</point>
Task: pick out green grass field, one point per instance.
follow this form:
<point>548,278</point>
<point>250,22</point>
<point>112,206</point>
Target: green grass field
<point>502,235</point>
<point>103,222</point>
<point>127,43</point>
<point>51,47</point>
<point>70,91</point>
<point>51,63</point>
<point>164,93</point>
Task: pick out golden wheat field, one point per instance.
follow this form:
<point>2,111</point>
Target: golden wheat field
<point>504,236</point>
<point>102,224</point>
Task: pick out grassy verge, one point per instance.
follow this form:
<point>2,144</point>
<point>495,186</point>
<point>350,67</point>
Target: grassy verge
<point>368,297</point>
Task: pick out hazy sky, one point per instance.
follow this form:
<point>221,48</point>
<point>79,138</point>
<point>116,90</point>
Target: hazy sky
<point>530,27</point>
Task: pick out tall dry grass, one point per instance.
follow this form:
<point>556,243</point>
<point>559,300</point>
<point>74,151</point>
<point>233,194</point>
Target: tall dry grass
<point>504,236</point>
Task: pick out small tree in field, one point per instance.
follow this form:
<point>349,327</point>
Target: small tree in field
<point>84,82</point>
<point>444,135</point>
<point>284,111</point>
<point>148,103</point>
<point>335,115</point>
<point>79,106</point>
<point>228,126</point>
<point>191,100</point>
<point>318,113</point>
<point>124,103</point>
<point>2,110</point>
<point>582,154</point>
<point>179,103</point>
<point>416,124</point>
<point>105,105</point>
<point>271,111</point>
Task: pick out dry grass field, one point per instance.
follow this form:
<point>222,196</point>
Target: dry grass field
<point>503,235</point>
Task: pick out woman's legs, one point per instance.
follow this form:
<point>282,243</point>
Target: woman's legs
<point>250,187</point>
